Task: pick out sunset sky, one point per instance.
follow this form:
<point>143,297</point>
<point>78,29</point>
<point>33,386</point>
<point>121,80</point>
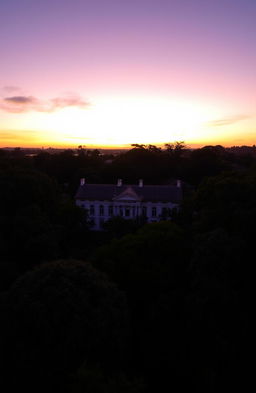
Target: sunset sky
<point>113,72</point>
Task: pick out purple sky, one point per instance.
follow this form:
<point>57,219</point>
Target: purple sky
<point>189,50</point>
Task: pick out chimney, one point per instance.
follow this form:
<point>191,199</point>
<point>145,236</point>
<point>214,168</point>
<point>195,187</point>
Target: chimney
<point>178,184</point>
<point>82,181</point>
<point>119,183</point>
<point>141,183</point>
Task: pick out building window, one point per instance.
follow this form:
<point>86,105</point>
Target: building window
<point>110,211</point>
<point>153,211</point>
<point>92,210</point>
<point>121,210</point>
<point>165,213</point>
<point>127,212</point>
<point>101,210</point>
<point>144,210</point>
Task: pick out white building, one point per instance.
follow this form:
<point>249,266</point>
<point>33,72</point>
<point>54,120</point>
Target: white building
<point>104,201</point>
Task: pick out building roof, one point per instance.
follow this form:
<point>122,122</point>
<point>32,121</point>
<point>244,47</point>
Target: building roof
<point>109,192</point>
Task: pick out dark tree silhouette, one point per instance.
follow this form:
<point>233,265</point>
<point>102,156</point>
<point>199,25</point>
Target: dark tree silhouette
<point>57,317</point>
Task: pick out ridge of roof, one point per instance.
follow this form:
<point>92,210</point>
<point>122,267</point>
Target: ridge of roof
<point>129,185</point>
<point>164,193</point>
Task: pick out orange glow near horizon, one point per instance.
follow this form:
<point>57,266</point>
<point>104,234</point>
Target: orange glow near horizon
<point>119,121</point>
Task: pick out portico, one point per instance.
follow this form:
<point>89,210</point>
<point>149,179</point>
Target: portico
<point>104,201</point>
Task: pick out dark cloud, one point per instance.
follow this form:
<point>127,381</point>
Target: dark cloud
<point>21,100</point>
<point>227,121</point>
<point>18,104</point>
<point>23,103</point>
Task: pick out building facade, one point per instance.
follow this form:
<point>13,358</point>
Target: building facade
<point>105,201</point>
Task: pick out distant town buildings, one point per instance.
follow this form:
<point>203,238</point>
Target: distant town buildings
<point>105,201</point>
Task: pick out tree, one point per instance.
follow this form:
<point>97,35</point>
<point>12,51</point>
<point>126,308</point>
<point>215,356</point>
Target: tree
<point>28,205</point>
<point>147,262</point>
<point>59,316</point>
<point>22,188</point>
<point>138,146</point>
<point>119,226</point>
<point>175,148</point>
<point>92,379</point>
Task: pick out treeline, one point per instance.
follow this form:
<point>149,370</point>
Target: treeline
<point>134,308</point>
<point>153,164</point>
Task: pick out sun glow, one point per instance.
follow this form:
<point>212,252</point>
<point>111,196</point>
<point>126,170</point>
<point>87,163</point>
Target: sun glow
<point>119,121</point>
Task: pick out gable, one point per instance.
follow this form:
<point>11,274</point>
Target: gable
<point>127,195</point>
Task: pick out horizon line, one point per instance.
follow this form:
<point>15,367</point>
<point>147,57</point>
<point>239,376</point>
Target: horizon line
<point>122,147</point>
